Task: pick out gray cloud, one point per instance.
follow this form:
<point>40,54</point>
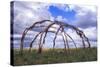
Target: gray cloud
<point>87,20</point>
<point>26,13</point>
<point>86,16</point>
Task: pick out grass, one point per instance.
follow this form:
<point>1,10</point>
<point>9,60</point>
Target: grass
<point>57,56</point>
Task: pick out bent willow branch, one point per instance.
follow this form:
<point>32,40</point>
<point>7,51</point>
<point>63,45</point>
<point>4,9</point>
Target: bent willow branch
<point>60,30</point>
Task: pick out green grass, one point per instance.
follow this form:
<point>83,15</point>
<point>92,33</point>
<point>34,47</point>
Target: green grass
<point>57,56</point>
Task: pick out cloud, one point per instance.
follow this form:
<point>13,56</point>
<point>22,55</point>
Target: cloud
<point>85,19</point>
<point>86,16</point>
<point>60,18</point>
<point>26,13</point>
<point>54,28</point>
<point>63,7</point>
<point>91,33</point>
<point>29,35</point>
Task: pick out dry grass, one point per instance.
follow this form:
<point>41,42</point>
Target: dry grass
<point>48,56</point>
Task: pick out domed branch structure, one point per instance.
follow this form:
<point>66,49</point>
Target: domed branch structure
<point>60,29</point>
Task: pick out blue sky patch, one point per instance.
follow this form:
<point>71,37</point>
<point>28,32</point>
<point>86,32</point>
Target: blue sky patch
<point>27,13</point>
<point>55,11</point>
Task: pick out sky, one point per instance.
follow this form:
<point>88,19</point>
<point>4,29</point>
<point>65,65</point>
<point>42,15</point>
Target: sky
<point>27,13</point>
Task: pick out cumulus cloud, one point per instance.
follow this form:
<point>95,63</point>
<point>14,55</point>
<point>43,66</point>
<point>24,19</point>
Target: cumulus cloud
<point>91,33</point>
<point>63,7</point>
<point>86,20</point>
<point>60,18</point>
<point>26,13</point>
<point>86,16</point>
